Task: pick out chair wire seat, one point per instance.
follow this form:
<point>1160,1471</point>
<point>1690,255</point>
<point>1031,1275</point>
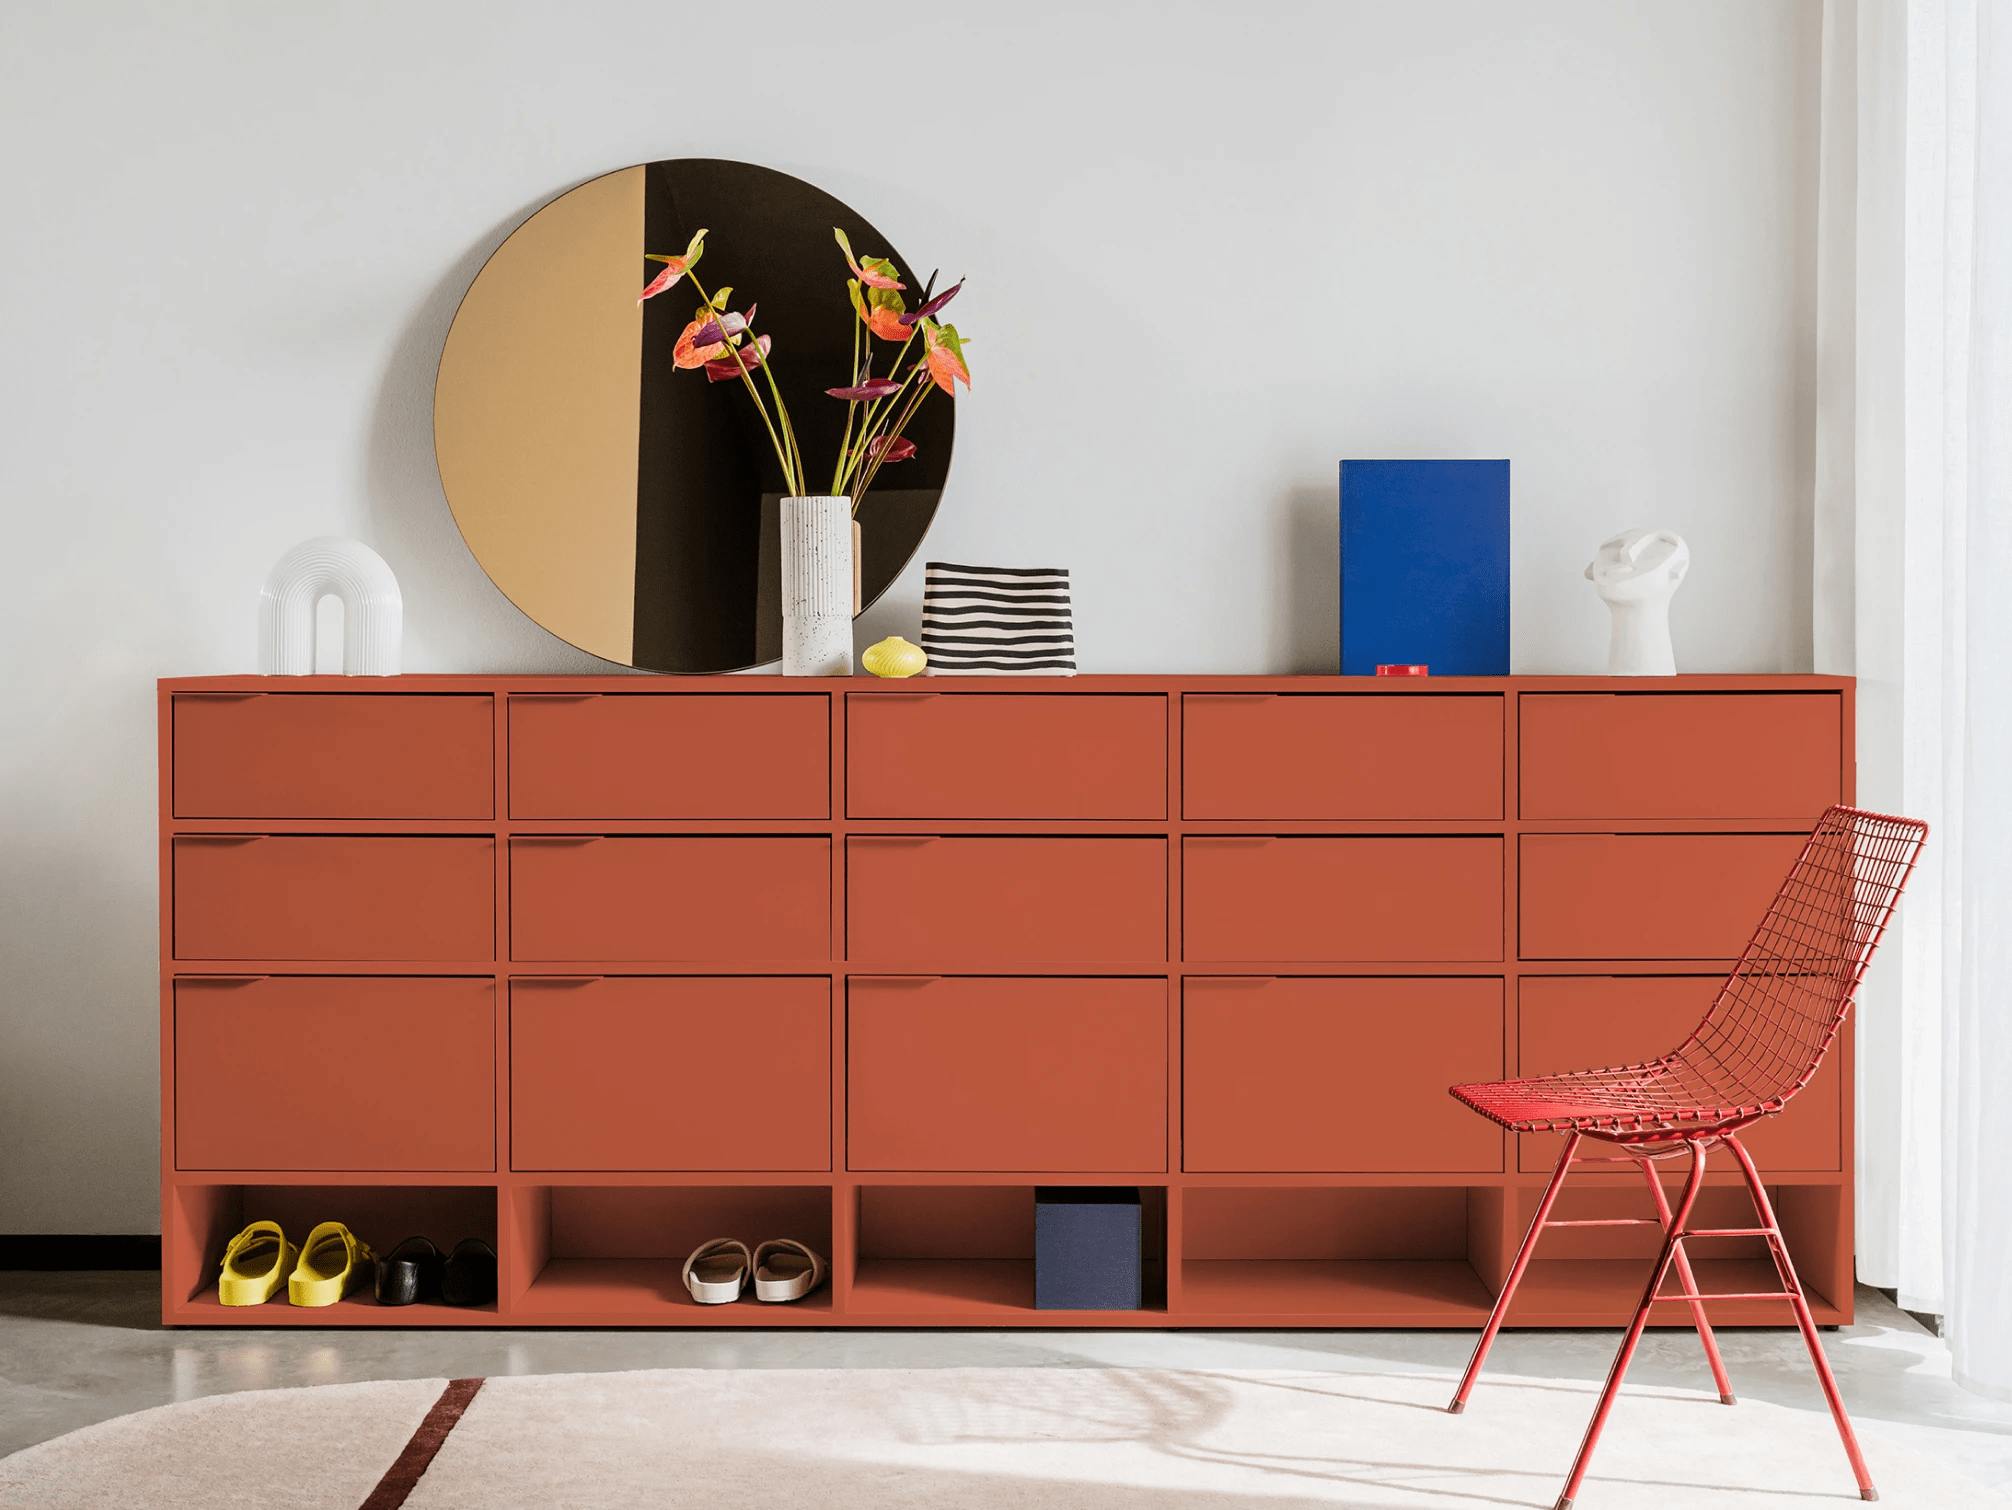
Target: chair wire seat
<point>1773,1020</point>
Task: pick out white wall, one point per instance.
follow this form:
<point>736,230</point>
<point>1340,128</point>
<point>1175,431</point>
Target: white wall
<point>1213,248</point>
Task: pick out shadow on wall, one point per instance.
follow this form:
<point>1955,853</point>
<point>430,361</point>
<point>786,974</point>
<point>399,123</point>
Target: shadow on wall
<point>455,618</point>
<point>78,930</point>
<point>1305,635</point>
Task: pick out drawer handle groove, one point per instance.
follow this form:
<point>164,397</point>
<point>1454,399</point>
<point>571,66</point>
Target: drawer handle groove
<point>913,841</point>
<point>220,838</point>
<point>572,839</point>
<point>555,697</point>
<point>218,980</point>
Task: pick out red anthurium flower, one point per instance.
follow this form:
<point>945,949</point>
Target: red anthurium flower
<point>934,304</point>
<point>751,356</point>
<point>866,392</point>
<point>874,272</point>
<point>688,353</point>
<point>674,267</point>
<point>881,449</point>
<point>945,357</point>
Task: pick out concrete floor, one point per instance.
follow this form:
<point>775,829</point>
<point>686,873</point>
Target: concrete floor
<point>82,1347</point>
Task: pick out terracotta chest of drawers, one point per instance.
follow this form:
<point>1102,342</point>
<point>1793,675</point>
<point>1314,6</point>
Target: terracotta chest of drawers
<point>599,968</point>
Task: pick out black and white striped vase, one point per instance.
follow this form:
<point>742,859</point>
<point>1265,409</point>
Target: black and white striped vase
<point>997,621</point>
<point>817,587</point>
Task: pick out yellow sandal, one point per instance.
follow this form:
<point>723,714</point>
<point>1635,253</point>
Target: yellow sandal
<point>333,1261</point>
<point>256,1264</point>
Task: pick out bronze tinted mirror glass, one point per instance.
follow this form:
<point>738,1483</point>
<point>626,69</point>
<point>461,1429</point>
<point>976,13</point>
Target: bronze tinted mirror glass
<point>630,507</point>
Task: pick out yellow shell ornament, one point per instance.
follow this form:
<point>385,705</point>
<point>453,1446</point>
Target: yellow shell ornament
<point>894,657</point>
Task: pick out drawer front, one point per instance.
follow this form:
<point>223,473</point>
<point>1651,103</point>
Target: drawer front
<point>630,1073</point>
<point>989,900</point>
<point>334,897</point>
<point>333,755</point>
<point>975,1074</point>
<point>1338,1075</point>
<point>1005,755</point>
<point>324,1072</point>
<point>1681,755</point>
<point>1649,896</point>
<point>1291,899</point>
<point>1581,1022</point>
<point>683,898</point>
<point>1341,756</point>
<point>670,755</point>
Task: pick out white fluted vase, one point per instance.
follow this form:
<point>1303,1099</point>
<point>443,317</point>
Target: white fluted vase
<point>817,587</point>
<point>373,612</point>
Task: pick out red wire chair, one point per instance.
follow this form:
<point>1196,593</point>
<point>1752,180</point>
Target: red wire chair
<point>1774,1020</point>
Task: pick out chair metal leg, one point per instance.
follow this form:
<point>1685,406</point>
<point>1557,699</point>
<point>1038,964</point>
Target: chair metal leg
<point>1805,1323</point>
<point>1690,1285</point>
<point>1672,1237</point>
<point>1487,1339</point>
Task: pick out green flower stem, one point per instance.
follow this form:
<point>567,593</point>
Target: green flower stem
<point>782,455</point>
<point>852,406</point>
<point>874,410</point>
<point>796,478</point>
<point>892,436</point>
<point>874,416</point>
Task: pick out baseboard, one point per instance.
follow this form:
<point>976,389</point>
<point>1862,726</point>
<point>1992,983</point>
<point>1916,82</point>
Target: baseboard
<point>39,1250</point>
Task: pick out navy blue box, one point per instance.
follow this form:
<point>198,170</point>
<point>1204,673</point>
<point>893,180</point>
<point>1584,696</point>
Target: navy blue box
<point>1086,1248</point>
<point>1425,566</point>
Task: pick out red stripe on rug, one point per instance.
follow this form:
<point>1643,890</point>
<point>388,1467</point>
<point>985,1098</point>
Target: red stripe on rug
<point>400,1478</point>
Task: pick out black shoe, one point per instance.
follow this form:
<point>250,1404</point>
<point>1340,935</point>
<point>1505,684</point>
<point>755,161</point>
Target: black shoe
<point>410,1272</point>
<point>470,1276</point>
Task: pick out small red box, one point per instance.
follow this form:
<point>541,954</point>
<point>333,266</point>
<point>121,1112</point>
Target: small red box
<point>1403,671</point>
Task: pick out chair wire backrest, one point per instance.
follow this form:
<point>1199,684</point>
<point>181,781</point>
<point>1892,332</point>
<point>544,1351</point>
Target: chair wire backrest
<point>1780,1009</point>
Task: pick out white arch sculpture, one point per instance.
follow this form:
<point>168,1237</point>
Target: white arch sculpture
<point>373,613</point>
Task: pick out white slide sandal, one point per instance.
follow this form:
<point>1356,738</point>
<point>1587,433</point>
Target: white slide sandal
<point>717,1271</point>
<point>785,1269</point>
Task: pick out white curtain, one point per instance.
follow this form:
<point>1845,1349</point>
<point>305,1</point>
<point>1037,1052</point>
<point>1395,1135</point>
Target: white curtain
<point>1913,594</point>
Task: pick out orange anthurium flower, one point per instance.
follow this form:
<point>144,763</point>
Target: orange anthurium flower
<point>886,323</point>
<point>874,272</point>
<point>945,356</point>
<point>881,309</point>
<point>687,355</point>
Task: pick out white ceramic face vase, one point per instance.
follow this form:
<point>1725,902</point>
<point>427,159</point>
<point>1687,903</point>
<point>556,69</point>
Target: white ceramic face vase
<point>1637,573</point>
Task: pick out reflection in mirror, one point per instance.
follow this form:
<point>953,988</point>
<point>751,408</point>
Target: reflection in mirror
<point>631,508</point>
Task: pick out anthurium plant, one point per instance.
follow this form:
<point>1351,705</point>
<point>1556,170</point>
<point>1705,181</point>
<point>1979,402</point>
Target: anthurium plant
<point>879,405</point>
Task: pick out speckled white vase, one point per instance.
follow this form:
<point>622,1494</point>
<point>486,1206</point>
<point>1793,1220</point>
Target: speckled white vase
<point>817,587</point>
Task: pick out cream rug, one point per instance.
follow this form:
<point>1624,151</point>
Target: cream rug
<point>988,1439</point>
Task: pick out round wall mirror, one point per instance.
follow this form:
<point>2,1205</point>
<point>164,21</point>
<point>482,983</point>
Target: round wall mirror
<point>627,506</point>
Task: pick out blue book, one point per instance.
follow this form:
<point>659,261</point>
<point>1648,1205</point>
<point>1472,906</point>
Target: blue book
<point>1425,566</point>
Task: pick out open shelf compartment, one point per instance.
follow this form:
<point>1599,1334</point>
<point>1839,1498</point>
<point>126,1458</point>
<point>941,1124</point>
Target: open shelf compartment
<point>965,1253</point>
<point>1321,1255</point>
<point>202,1219</point>
<point>1593,1276</point>
<point>593,1255</point>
